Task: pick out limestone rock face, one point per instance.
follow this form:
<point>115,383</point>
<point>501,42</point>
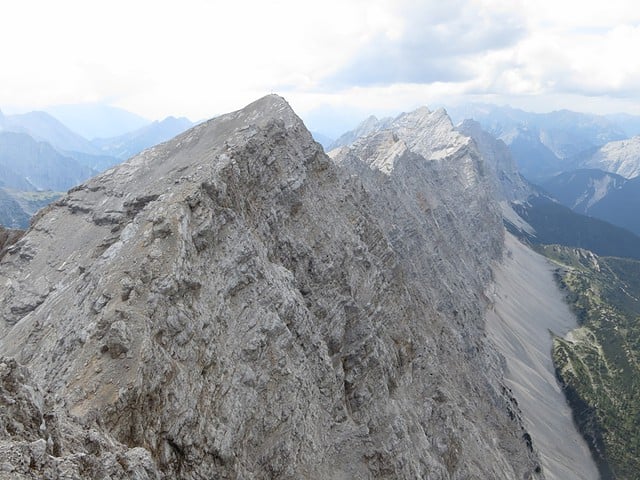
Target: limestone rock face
<point>507,181</point>
<point>232,304</point>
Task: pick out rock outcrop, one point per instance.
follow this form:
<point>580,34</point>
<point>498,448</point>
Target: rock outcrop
<point>8,237</point>
<point>232,304</point>
<point>38,440</point>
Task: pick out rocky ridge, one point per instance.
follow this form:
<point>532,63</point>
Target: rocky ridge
<point>231,304</point>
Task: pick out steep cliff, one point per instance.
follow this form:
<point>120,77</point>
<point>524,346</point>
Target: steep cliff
<point>232,304</point>
<point>505,177</point>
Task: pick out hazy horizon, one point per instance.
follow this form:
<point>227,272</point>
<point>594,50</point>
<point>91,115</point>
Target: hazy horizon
<point>335,62</point>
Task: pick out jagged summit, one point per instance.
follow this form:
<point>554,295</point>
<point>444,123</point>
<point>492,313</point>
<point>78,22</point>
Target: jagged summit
<point>267,108</point>
<point>161,169</point>
<point>232,304</point>
<point>431,134</point>
<point>271,105</point>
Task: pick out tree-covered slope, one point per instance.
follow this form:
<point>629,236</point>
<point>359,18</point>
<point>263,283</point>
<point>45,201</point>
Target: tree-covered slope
<point>599,363</point>
<point>556,224</point>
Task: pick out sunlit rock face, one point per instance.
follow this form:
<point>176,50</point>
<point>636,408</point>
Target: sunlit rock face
<point>236,304</point>
<point>619,157</point>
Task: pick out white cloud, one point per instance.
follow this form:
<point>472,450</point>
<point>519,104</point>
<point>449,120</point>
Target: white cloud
<point>207,53</point>
<point>548,62</point>
<point>202,57</point>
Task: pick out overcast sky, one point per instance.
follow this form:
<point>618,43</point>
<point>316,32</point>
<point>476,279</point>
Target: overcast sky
<point>200,58</point>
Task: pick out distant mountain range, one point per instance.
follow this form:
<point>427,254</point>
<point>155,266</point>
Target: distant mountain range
<point>93,120</point>
<point>556,224</point>
<point>28,164</point>
<point>43,127</point>
<point>604,185</point>
<point>581,189</point>
<point>564,132</point>
<point>620,206</point>
<point>17,207</point>
<point>323,140</point>
<point>621,157</point>
<point>129,144</point>
<point>630,124</point>
<point>603,195</point>
<point>41,157</point>
<point>543,143</point>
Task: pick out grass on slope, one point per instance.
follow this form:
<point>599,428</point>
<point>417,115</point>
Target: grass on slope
<point>599,363</point>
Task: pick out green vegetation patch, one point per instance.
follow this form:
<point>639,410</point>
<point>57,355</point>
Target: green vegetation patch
<point>598,364</point>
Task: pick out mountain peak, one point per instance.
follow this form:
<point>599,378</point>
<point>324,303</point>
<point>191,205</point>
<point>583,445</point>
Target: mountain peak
<point>507,181</point>
<point>382,149</point>
<point>271,105</point>
<point>422,111</point>
<point>470,124</point>
<point>44,127</point>
<point>272,99</point>
<point>260,112</point>
<point>431,134</point>
<point>367,126</point>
